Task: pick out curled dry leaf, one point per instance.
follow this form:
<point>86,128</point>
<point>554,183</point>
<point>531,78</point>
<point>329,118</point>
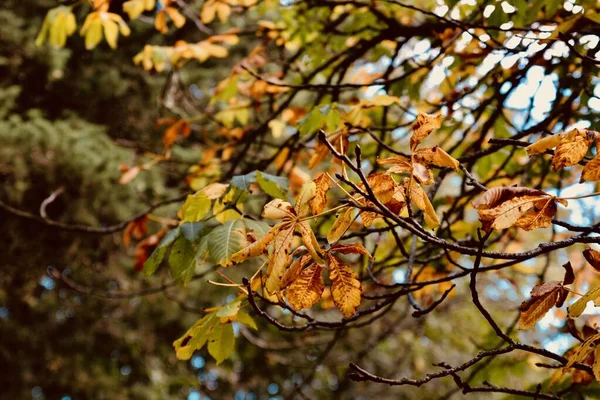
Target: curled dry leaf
<point>543,298</point>
<point>435,156</point>
<point>578,307</point>
<point>503,207</point>
<point>319,201</point>
<point>593,257</point>
<point>340,144</point>
<point>354,248</point>
<point>345,286</point>
<point>419,197</point>
<point>422,127</point>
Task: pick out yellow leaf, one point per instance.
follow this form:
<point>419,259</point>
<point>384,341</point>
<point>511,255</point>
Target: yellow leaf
<point>571,150</point>
<point>307,289</point>
<point>342,222</point>
<point>596,367</point>
<point>279,256</point>
<point>209,11</point>
<point>591,171</point>
<point>176,17</point>
<point>345,286</point>
<point>278,209</point>
<point>306,193</point>
<point>92,30</point>
<point>310,241</point>
<point>257,248</point>
<point>111,32</point>
<point>543,145</point>
<point>578,307</point>
<point>277,127</point>
<point>223,11</point>
<point>419,197</point>
<point>294,270</point>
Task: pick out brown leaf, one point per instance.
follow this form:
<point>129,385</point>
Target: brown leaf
<point>306,193</point>
<point>354,248</point>
<point>422,127</point>
<point>294,270</point>
<point>543,298</point>
<point>497,195</point>
<point>398,201</point>
<point>137,229</point>
<point>401,164</point>
<point>319,201</point>
<point>130,175</point>
<point>340,144</point>
<point>307,289</point>
<point>582,352</point>
<point>345,286</point>
<point>435,156</point>
<point>343,220</point>
<point>591,171</point>
<point>596,367</point>
<point>540,216</point>
<point>383,186</point>
<point>593,257</point>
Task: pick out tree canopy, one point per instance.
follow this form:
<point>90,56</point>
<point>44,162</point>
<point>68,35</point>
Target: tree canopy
<point>257,199</point>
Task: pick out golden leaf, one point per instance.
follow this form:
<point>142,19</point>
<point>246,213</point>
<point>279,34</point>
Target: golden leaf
<point>278,209</point>
<point>340,144</point>
<point>578,307</point>
<point>593,257</point>
<point>319,201</point>
<point>257,248</point>
<point>294,270</point>
<point>571,150</point>
<point>538,217</point>
<point>543,145</point>
<point>581,352</point>
<point>435,156</point>
<point>596,367</point>
<point>591,171</point>
<point>543,298</point>
<point>279,256</point>
<point>422,127</point>
<point>419,197</point>
<point>402,164</point>
<point>342,222</point>
<point>306,193</point>
<point>383,186</point>
<point>307,289</point>
<point>310,241</point>
<point>345,286</point>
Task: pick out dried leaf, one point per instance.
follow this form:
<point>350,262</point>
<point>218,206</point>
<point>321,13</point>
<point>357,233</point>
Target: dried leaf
<point>319,201</point>
<point>419,197</point>
<point>543,298</point>
<point>582,352</point>
<point>422,127</point>
<point>422,174</point>
<point>593,257</point>
<point>591,171</point>
<point>257,248</point>
<point>435,156</point>
<point>306,193</point>
<point>137,229</point>
<point>279,209</point>
<point>310,241</point>
<point>354,248</point>
<point>596,367</point>
<point>383,186</point>
<point>279,256</point>
<point>345,286</point>
<point>543,145</point>
<point>540,216</point>
<point>294,270</point>
<point>307,289</point>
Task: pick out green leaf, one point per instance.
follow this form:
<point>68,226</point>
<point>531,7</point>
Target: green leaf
<point>226,240</point>
<point>192,231</point>
<point>195,208</point>
<point>313,121</point>
<point>244,318</point>
<point>243,182</point>
<point>153,262</point>
<point>221,342</point>
<point>195,337</point>
<point>333,120</point>
<point>269,185</point>
<point>182,260</point>
<point>230,309</point>
<point>260,228</point>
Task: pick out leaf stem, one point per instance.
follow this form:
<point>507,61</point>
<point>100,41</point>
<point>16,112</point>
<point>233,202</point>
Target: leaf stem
<point>580,197</point>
